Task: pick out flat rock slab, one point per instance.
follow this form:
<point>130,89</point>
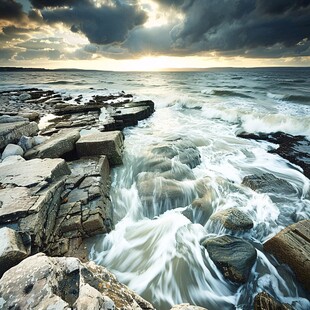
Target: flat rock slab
<point>41,282</point>
<point>57,146</point>
<point>292,247</point>
<point>102,143</point>
<point>12,132</point>
<point>33,172</point>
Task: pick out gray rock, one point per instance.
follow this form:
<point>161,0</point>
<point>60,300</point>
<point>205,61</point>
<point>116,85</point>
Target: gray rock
<point>187,307</point>
<point>12,159</point>
<point>233,219</point>
<point>58,145</point>
<point>233,256</point>
<point>291,246</point>
<point>24,96</point>
<point>12,248</point>
<point>268,183</point>
<point>11,150</point>
<point>109,144</point>
<point>41,282</point>
<point>33,172</point>
<point>26,143</point>
<point>12,119</point>
<point>12,132</point>
<point>39,140</point>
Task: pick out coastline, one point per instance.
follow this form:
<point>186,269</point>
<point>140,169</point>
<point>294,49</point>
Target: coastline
<point>53,188</point>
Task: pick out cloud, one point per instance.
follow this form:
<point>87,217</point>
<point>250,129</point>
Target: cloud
<point>101,25</point>
<point>11,10</point>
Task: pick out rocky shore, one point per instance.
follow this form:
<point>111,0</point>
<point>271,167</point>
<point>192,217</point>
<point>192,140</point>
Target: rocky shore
<point>54,194</point>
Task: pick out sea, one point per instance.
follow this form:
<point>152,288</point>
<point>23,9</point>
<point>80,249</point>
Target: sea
<point>156,250</point>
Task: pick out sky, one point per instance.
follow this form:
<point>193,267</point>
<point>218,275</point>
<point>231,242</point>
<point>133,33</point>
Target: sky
<point>154,34</point>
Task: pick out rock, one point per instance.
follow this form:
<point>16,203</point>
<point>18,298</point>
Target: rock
<point>159,195</point>
<point>102,143</point>
<point>291,246</point>
<point>38,140</point>
<point>33,172</point>
<point>14,247</point>
<point>264,301</point>
<point>202,209</point>
<point>11,150</point>
<point>233,256</point>
<point>233,219</point>
<point>296,149</point>
<point>57,146</point>
<point>41,282</point>
<point>12,132</point>
<point>24,96</point>
<point>86,208</point>
<point>32,116</point>
<point>268,183</point>
<point>12,119</point>
<point>187,307</point>
<point>12,159</point>
<point>30,196</point>
<point>72,109</point>
<point>26,143</point>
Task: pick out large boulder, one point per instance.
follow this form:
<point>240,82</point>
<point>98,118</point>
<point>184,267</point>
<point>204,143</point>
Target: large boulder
<point>233,256</point>
<point>109,144</point>
<point>268,183</point>
<point>233,219</point>
<point>14,247</point>
<point>291,246</point>
<point>57,146</point>
<point>12,150</point>
<point>41,282</point>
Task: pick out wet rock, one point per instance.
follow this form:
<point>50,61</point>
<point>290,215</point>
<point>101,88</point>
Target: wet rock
<point>295,149</point>
<point>12,150</point>
<point>12,132</point>
<point>268,183</point>
<point>109,144</point>
<point>202,208</point>
<point>264,301</point>
<point>57,146</point>
<point>41,282</point>
<point>291,246</point>
<point>233,256</point>
<point>72,109</point>
<point>187,307</point>
<point>233,219</point>
<point>14,247</point>
<point>159,195</point>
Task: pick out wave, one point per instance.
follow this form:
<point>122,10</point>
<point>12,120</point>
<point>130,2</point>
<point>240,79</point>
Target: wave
<point>225,93</point>
<point>289,98</point>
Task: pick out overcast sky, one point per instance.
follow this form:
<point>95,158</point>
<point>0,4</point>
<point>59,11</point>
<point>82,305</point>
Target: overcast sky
<point>149,34</point>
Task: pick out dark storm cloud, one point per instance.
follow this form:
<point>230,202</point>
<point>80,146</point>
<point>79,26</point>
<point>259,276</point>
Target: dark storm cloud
<point>102,25</point>
<point>243,25</point>
<point>10,10</point>
<point>40,4</point>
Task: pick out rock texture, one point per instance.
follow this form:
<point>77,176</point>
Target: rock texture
<point>86,208</point>
<point>41,282</point>
<point>233,219</point>
<point>57,146</point>
<point>30,195</point>
<point>233,256</point>
<point>292,246</point>
<point>14,247</point>
<point>12,132</point>
<point>268,183</point>
<point>296,149</point>
<point>264,301</point>
<point>102,143</point>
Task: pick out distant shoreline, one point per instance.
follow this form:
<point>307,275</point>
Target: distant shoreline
<point>26,69</point>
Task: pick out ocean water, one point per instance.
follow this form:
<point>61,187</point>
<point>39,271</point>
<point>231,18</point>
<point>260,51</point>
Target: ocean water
<point>155,248</point>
